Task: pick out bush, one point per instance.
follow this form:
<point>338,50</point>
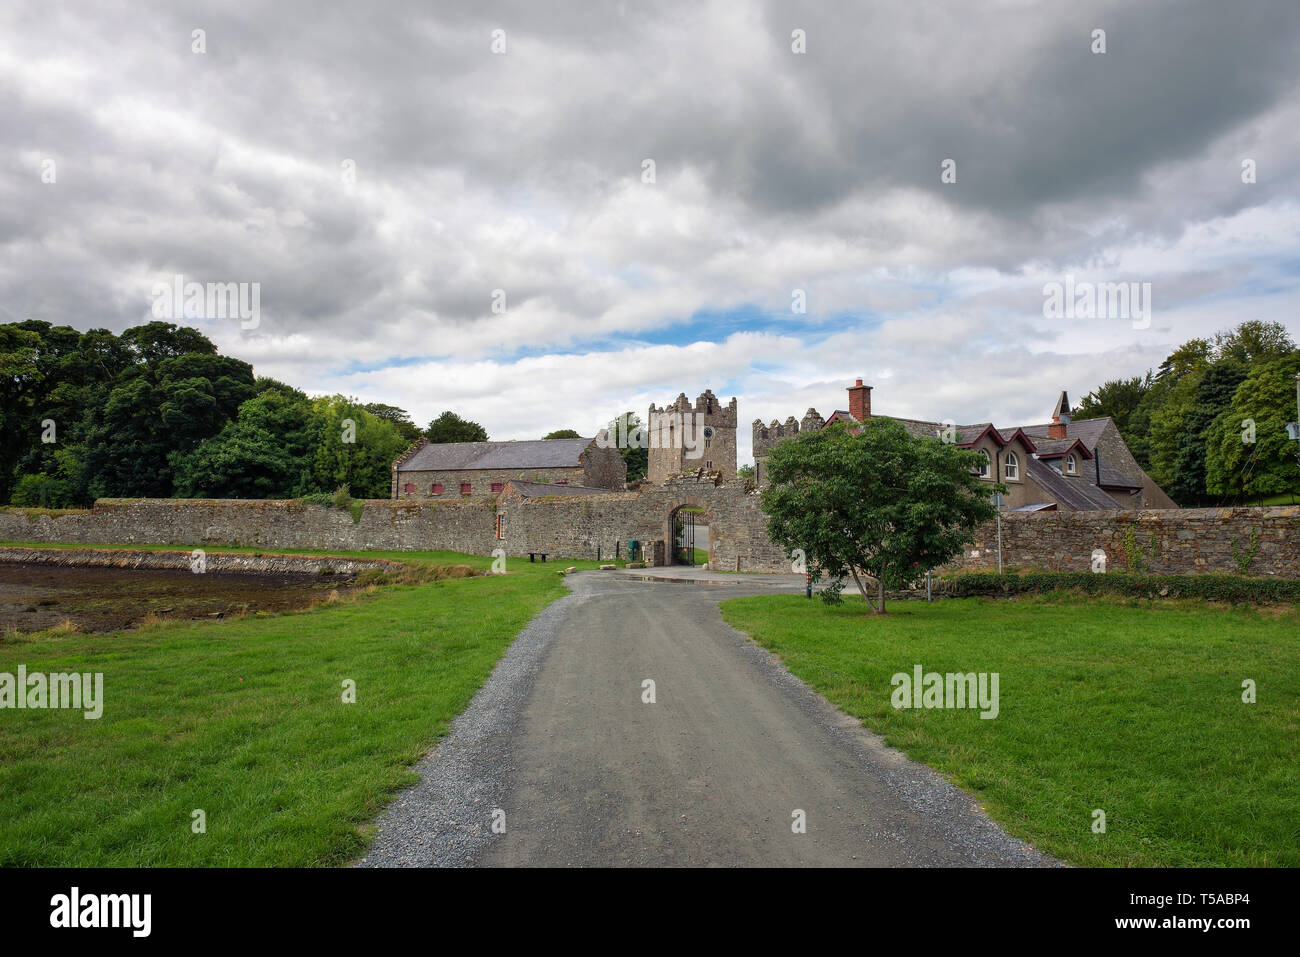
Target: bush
<point>1228,588</point>
<point>41,491</point>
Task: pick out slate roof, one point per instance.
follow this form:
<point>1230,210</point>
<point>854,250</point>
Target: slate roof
<point>471,456</point>
<point>1079,495</point>
<point>1087,431</point>
<point>539,489</point>
<point>921,429</point>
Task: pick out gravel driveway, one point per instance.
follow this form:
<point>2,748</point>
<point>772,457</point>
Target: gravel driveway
<point>560,749</point>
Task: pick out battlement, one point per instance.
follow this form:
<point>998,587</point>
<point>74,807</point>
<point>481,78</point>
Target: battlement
<point>766,436</point>
<point>708,426</point>
<point>706,405</point>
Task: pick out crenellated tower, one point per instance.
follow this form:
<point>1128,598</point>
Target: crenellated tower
<point>685,437</point>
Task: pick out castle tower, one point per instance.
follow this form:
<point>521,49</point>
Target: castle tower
<point>685,437</point>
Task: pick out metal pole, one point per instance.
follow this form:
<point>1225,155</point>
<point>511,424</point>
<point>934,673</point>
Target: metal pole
<point>807,583</point>
<point>927,586</point>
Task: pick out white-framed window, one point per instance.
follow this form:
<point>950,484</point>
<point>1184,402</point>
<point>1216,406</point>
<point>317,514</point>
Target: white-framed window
<point>1071,465</point>
<point>982,469</point>
<point>1012,469</point>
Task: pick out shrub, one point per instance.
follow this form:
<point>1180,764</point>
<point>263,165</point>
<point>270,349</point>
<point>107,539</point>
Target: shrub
<point>1227,588</point>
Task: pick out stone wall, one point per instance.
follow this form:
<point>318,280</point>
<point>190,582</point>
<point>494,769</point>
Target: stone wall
<point>1182,541</point>
<point>481,480</point>
<point>462,526</point>
<point>574,525</point>
<point>603,468</point>
<point>182,560</point>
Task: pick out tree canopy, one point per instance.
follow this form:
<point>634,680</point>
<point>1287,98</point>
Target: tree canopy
<point>1185,427</point>
<point>158,412</point>
<point>880,506</point>
<point>450,427</point>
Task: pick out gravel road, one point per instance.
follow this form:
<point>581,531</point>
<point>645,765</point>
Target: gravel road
<point>560,749</point>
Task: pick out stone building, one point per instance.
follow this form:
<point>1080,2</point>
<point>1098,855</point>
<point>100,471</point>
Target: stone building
<point>685,437</point>
<point>1059,465</point>
<point>461,469</point>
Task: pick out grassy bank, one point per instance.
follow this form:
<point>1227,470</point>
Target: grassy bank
<point>245,721</point>
<point>1127,706</point>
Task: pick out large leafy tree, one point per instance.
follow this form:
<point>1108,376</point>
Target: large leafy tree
<point>1214,391</point>
<point>562,434</point>
<point>349,446</point>
<point>1118,399</point>
<point>450,427</point>
<point>400,418</point>
<point>1236,466</point>
<point>879,506</point>
<point>178,393</point>
<point>636,456</point>
<point>1254,341</point>
<point>264,453</point>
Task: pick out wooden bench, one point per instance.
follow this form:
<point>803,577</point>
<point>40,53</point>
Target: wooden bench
<point>543,554</point>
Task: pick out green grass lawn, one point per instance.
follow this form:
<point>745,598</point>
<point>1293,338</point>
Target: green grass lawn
<point>1131,707</point>
<point>245,720</point>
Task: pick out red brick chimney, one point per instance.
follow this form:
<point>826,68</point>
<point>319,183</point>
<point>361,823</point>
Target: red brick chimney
<point>860,401</point>
<point>1060,418</point>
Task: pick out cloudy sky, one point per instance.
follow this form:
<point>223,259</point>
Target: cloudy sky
<point>380,170</point>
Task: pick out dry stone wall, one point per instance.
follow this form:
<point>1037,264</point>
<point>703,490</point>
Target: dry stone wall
<point>1182,541</point>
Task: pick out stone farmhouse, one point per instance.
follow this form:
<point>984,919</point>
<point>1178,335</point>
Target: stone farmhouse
<point>465,469</point>
<point>1060,465</point>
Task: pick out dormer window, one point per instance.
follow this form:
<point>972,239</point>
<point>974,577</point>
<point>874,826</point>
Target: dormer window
<point>1012,469</point>
<point>1071,465</point>
<point>982,469</point>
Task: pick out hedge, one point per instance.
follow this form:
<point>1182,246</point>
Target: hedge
<point>1229,588</point>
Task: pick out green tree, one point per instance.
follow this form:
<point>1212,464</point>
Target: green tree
<point>163,406</point>
<point>1236,466</point>
<point>879,506</point>
<point>349,446</point>
<point>562,434</point>
<point>1118,399</point>
<point>400,418</point>
<point>450,427</point>
<point>264,453</point>
<point>1254,341</point>
<point>626,430</point>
